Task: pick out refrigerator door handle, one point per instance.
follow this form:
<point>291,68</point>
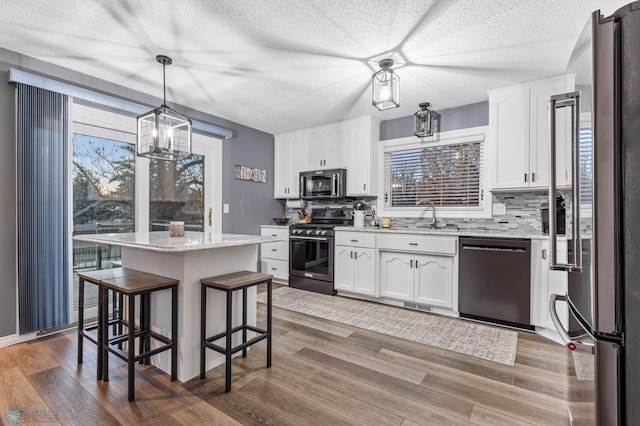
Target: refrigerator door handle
<point>570,100</point>
<point>615,338</point>
<point>564,335</point>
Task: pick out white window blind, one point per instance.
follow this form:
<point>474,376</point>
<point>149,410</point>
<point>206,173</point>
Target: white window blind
<point>447,175</point>
<point>586,166</point>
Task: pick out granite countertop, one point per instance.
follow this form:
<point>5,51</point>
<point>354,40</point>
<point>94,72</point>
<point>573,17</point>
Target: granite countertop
<point>486,233</point>
<point>161,241</point>
<point>275,226</point>
<point>447,231</point>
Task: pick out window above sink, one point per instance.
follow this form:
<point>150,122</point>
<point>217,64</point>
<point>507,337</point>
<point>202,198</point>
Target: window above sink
<point>448,170</point>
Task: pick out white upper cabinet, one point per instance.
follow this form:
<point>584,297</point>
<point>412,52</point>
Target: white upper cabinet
<point>509,124</point>
<point>519,126</point>
<point>363,135</point>
<point>323,147</point>
<point>349,144</point>
<point>286,170</point>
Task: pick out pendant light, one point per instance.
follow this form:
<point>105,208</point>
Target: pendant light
<point>163,133</point>
<point>425,121</point>
<point>385,86</point>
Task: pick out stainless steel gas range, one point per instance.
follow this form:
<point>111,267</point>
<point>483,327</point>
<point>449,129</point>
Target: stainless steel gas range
<point>311,248</point>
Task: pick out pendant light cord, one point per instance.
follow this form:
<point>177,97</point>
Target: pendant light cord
<point>164,86</point>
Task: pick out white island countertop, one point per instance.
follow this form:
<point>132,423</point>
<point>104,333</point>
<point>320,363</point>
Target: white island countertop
<point>161,241</point>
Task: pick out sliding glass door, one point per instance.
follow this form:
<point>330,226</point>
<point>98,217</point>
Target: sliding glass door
<point>116,191</point>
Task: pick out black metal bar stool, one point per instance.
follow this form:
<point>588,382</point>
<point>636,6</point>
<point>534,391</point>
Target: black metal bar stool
<point>142,285</point>
<point>230,283</point>
<point>93,331</point>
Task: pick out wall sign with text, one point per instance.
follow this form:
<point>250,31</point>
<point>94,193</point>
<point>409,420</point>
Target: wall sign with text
<point>249,173</point>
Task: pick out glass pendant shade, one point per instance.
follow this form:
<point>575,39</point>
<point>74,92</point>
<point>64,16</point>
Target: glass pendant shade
<point>425,121</point>
<point>163,133</point>
<point>385,87</point>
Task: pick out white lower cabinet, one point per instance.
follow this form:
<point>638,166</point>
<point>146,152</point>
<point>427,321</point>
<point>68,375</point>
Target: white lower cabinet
<point>396,275</point>
<point>355,270</point>
<point>434,280</point>
<point>355,263</point>
<point>419,269</point>
<point>274,257</point>
<point>547,282</point>
<point>421,278</point>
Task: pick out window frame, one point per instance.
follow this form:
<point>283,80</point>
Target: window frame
<point>445,138</point>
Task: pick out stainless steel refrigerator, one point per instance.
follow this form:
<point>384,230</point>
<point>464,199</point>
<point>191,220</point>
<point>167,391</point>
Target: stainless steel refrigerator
<point>604,263</point>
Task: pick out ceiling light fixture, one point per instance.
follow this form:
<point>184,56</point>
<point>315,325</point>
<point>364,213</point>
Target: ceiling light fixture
<point>385,86</point>
<point>163,133</point>
<point>425,121</point>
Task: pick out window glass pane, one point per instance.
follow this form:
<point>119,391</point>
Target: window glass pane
<point>103,200</point>
<point>446,175</point>
<point>103,185</point>
<point>176,192</point>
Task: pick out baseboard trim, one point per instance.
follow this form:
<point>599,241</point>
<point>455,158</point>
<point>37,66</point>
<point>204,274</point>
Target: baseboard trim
<point>16,338</point>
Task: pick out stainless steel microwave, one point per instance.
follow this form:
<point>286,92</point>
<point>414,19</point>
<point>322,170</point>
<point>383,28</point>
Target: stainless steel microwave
<point>323,184</point>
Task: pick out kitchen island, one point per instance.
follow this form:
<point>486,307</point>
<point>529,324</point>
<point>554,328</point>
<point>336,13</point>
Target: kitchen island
<point>188,259</point>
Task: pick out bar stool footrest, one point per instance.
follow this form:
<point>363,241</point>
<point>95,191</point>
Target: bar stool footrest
<point>239,347</point>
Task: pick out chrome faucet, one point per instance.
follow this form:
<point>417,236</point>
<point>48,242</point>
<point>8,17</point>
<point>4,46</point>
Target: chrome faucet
<point>434,222</point>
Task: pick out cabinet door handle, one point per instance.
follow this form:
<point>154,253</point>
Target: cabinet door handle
<point>274,269</point>
<point>274,249</point>
<point>533,177</point>
<point>356,255</point>
<point>413,244</point>
<point>351,254</point>
<point>364,186</point>
<point>525,177</point>
<point>274,235</point>
<point>354,241</point>
<point>544,253</point>
<point>411,263</point>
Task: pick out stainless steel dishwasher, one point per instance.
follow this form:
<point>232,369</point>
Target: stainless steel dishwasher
<point>494,280</point>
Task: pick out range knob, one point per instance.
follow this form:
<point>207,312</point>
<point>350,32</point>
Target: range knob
<point>309,232</point>
<point>324,232</point>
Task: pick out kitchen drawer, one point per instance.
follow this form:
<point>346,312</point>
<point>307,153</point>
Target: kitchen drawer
<point>355,239</point>
<point>282,233</point>
<point>278,268</point>
<point>419,244</point>
<point>276,250</point>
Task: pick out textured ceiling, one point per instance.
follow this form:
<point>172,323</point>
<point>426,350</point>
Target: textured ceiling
<point>279,65</point>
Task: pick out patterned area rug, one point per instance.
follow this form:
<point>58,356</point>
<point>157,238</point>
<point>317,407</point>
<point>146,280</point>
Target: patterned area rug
<point>465,337</point>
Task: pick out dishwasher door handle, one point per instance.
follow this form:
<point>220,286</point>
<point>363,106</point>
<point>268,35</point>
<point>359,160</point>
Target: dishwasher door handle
<point>495,248</point>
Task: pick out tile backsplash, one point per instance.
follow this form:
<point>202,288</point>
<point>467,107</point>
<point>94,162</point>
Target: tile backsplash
<point>522,214</point>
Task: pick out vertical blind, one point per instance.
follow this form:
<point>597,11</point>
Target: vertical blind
<point>446,175</point>
<point>43,234</point>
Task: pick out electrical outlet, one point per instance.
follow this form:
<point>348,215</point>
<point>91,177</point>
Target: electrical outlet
<point>225,208</point>
<point>499,208</point>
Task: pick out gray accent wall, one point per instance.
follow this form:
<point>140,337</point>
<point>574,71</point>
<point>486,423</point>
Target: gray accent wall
<point>250,204</point>
<point>461,117</point>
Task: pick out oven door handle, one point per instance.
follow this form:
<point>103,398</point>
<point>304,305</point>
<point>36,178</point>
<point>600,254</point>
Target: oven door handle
<point>308,238</point>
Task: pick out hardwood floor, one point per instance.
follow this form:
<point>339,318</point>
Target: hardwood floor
<point>323,373</point>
